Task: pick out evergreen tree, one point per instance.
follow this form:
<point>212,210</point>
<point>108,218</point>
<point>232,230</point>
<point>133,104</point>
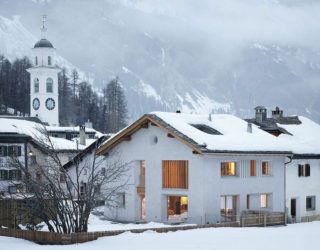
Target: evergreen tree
<point>65,104</point>
<point>116,107</point>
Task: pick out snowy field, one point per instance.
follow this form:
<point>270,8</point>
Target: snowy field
<point>303,236</point>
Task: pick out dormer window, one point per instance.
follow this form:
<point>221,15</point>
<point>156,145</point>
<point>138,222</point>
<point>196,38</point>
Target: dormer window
<point>49,60</point>
<point>49,85</point>
<point>36,61</point>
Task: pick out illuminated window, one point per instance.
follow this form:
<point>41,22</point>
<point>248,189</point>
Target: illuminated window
<point>175,174</point>
<point>263,200</point>
<point>36,85</point>
<point>265,168</point>
<point>49,85</point>
<point>252,168</point>
<point>228,168</point>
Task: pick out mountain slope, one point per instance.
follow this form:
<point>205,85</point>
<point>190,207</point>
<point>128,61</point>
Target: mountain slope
<point>167,61</point>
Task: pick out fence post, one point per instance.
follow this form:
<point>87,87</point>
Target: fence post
<point>264,220</point>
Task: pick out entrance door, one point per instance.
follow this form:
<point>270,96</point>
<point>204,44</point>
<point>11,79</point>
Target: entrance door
<point>293,208</point>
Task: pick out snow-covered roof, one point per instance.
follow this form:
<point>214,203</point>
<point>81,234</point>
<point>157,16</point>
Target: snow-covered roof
<point>68,129</point>
<point>227,133</point>
<point>35,130</point>
<point>305,137</point>
<point>233,133</point>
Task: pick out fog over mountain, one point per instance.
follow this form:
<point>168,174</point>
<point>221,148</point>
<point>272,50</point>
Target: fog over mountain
<point>198,56</point>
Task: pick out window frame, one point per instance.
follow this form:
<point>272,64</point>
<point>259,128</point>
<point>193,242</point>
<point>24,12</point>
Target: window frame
<point>225,169</point>
<point>36,85</point>
<point>264,201</point>
<point>49,85</point>
<point>268,172</point>
<point>312,203</point>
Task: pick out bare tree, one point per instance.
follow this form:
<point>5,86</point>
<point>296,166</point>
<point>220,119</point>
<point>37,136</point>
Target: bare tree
<point>64,197</point>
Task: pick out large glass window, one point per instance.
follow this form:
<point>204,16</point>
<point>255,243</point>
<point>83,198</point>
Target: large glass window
<point>36,85</point>
<point>175,174</point>
<point>228,168</point>
<point>49,85</point>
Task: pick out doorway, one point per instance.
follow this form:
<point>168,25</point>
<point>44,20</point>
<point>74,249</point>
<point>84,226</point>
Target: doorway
<point>293,209</point>
<point>229,207</point>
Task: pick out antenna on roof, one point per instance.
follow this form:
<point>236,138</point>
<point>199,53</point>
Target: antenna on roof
<point>43,28</point>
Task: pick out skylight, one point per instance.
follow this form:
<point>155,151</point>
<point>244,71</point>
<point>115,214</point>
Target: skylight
<point>206,129</point>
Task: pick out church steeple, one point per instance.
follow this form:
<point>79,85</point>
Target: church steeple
<point>44,81</point>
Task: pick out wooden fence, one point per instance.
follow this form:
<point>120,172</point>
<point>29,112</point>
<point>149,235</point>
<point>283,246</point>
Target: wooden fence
<point>64,239</point>
<point>264,219</point>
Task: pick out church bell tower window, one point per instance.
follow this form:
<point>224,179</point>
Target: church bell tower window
<point>36,61</point>
<point>49,60</point>
<point>49,85</point>
<point>36,85</point>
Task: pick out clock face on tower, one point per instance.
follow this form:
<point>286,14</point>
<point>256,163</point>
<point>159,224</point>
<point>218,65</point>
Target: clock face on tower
<point>50,104</point>
<point>35,103</point>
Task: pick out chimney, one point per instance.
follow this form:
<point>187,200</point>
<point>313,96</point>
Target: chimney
<point>277,113</point>
<point>249,128</point>
<point>210,118</point>
<point>88,124</point>
<point>261,114</point>
<point>82,134</point>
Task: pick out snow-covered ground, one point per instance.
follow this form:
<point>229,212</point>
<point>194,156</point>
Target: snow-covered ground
<point>294,237</point>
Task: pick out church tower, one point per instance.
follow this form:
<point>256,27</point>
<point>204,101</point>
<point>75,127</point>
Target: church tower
<point>44,96</point>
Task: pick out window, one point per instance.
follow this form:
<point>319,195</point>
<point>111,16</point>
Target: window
<point>36,60</point>
<point>3,175</point>
<point>49,85</point>
<point>304,170</point>
<point>12,189</point>
<point>175,174</point>
<point>263,200</point>
<point>14,151</point>
<point>36,85</point>
<point>252,168</point>
<point>49,60</point>
<point>311,203</point>
<point>85,171</point>
<point>83,188</point>
<point>228,168</point>
<point>3,151</point>
<point>248,201</point>
<point>62,177</point>
<point>265,168</point>
<point>121,200</point>
<point>103,171</point>
<point>14,174</point>
<point>97,189</point>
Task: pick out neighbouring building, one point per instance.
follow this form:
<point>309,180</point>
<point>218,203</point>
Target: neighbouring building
<point>303,170</point>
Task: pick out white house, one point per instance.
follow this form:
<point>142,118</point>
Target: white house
<point>303,170</point>
<point>197,168</point>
